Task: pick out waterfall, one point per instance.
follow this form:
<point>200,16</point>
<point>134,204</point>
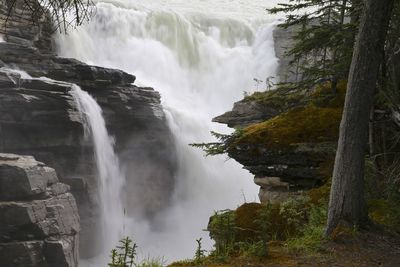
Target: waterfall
<point>110,180</point>
<point>201,56</point>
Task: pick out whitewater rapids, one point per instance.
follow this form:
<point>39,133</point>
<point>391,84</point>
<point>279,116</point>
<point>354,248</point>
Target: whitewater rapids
<point>201,56</point>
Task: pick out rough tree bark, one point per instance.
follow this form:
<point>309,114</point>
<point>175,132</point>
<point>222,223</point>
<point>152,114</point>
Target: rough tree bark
<point>347,201</point>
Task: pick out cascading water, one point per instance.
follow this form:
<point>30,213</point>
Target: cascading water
<point>201,56</point>
<point>110,180</point>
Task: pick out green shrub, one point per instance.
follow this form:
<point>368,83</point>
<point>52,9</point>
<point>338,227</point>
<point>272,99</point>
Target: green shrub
<point>383,193</point>
<point>254,249</point>
<point>222,230</point>
<point>264,224</point>
<point>124,254</point>
<point>247,230</point>
<point>200,252</point>
<point>293,213</point>
<point>312,236</point>
<point>310,241</point>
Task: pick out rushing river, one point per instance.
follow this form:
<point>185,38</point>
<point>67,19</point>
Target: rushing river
<point>201,55</point>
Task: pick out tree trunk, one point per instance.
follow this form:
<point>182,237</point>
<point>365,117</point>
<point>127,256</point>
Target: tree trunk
<point>347,201</point>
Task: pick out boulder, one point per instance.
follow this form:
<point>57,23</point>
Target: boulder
<point>23,177</point>
<point>40,225</point>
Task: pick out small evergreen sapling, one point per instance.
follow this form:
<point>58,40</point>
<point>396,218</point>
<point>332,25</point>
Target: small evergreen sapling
<point>124,255</point>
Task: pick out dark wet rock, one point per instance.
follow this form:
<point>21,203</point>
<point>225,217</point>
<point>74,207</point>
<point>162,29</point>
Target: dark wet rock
<point>23,254</point>
<point>299,168</point>
<point>39,117</point>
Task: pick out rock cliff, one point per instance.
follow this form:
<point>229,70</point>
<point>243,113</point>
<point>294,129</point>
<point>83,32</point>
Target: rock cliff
<point>286,138</point>
<point>38,215</point>
<point>39,117</point>
<point>283,42</point>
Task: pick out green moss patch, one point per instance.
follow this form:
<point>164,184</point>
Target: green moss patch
<point>385,212</point>
<point>299,125</point>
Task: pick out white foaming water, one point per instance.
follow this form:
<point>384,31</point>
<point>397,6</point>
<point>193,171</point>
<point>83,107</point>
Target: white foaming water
<point>110,180</point>
<point>201,56</point>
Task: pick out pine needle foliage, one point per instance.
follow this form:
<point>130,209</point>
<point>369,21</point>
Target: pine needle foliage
<point>222,229</point>
<point>324,38</point>
<point>200,253</point>
<point>124,255</point>
<point>216,148</point>
<point>63,13</point>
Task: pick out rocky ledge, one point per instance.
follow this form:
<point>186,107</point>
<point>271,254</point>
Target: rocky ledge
<point>38,116</point>
<point>38,215</point>
<point>286,138</point>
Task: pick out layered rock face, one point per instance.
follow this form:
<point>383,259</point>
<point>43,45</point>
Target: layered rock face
<point>39,117</point>
<point>291,145</point>
<point>38,215</point>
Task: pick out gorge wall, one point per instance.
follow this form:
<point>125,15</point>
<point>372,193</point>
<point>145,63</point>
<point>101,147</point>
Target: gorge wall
<point>39,117</point>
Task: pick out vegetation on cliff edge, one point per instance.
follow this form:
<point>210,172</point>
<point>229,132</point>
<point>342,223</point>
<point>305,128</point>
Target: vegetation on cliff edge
<point>361,198</point>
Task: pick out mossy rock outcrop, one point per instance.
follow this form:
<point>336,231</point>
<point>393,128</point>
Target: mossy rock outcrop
<point>292,136</point>
<point>300,125</point>
<point>246,222</point>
